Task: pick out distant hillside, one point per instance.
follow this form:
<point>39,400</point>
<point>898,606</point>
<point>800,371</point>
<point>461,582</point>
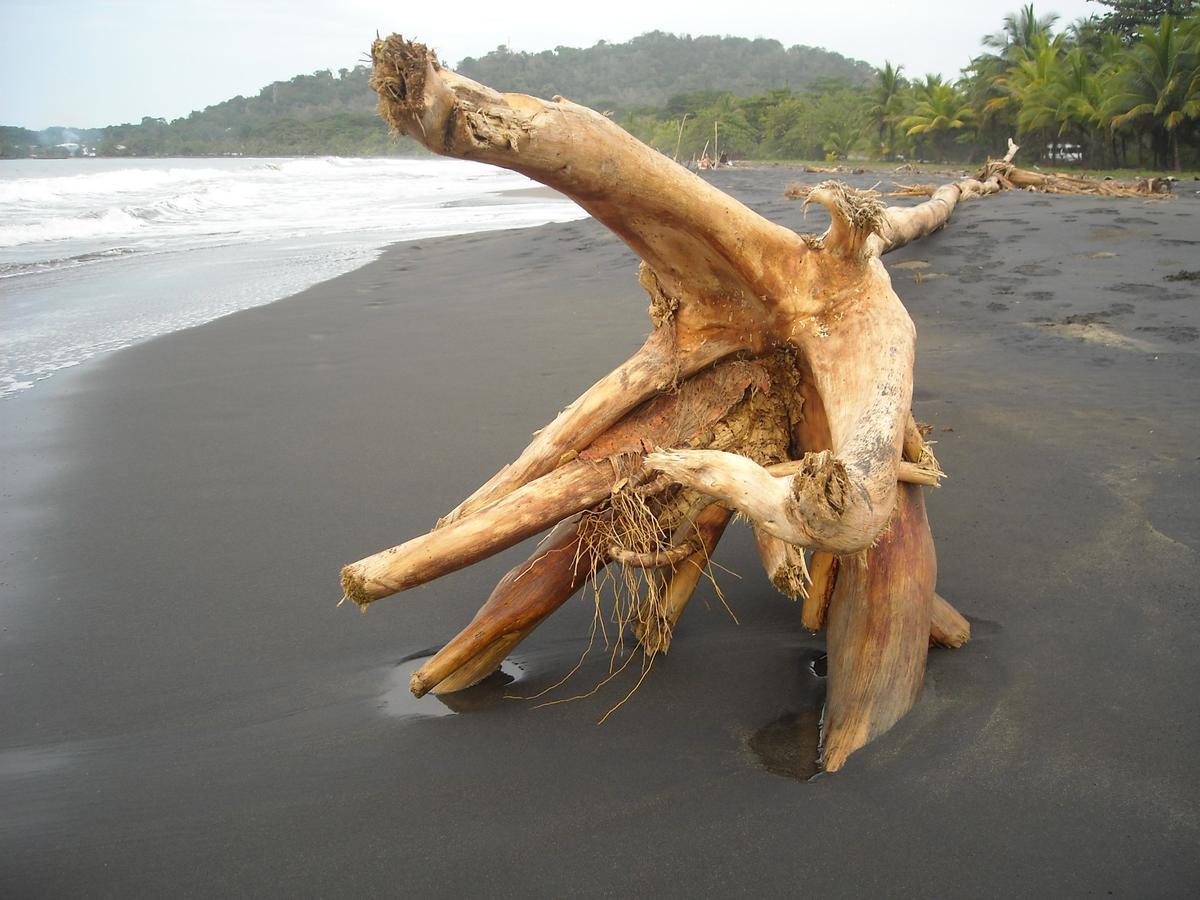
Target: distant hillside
<point>324,113</point>
<point>648,70</point>
<point>50,143</point>
<point>315,114</point>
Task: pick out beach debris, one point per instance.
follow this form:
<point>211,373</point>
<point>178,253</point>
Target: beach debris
<point>911,190</point>
<point>776,384</point>
<point>1012,178</point>
<point>798,190</point>
<point>832,170</point>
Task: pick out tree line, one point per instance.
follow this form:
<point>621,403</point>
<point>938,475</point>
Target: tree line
<point>1109,91</point>
<point>647,70</point>
<point>334,114</point>
<point>1116,90</point>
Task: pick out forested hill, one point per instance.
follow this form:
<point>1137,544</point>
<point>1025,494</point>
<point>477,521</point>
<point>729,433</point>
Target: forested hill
<point>321,113</point>
<point>334,113</point>
<point>648,70</point>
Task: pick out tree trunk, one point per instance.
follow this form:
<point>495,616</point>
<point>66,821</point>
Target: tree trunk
<point>776,383</point>
<point>878,632</point>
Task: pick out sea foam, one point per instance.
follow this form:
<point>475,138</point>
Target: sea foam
<point>98,254</point>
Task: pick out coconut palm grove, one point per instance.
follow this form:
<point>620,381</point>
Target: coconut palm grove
<point>1109,91</point>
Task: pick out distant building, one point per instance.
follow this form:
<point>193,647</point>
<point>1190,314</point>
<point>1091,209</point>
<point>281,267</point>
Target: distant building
<point>1064,152</point>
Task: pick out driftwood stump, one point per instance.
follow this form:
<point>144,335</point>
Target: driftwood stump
<point>776,383</point>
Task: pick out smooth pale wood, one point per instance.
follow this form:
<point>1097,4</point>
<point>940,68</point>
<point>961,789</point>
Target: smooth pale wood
<point>508,521</point>
<point>655,368</point>
<point>878,631</point>
<point>1052,183</point>
<point>824,569</point>
<point>912,473</point>
<point>858,344</point>
<point>719,276</point>
<point>948,627</point>
<point>701,243</point>
<point>682,582</point>
<point>903,225</point>
<point>817,507</point>
<point>726,272</point>
<point>521,601</point>
<point>694,407</point>
<point>906,472</point>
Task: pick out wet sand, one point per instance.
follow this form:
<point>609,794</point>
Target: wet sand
<point>187,712</point>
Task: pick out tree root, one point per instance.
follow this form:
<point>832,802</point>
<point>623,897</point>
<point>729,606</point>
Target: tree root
<point>776,382</point>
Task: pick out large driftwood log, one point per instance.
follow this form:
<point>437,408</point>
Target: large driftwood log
<point>776,383</point>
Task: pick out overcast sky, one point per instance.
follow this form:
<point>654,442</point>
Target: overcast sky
<point>89,63</point>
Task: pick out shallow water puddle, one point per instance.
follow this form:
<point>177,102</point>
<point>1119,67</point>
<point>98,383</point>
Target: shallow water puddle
<point>397,700</point>
<point>790,745</point>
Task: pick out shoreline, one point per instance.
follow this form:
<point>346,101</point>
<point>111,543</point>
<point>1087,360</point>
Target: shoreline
<point>75,295</point>
<point>184,702</point>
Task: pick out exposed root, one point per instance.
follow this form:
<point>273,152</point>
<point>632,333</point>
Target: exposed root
<point>354,588</point>
<point>1013,178</point>
<point>629,525</point>
<point>822,483</point>
<point>722,281</point>
<point>948,627</point>
<point>834,170</point>
<point>784,563</point>
<point>398,77</point>
<point>855,214</point>
<point>792,581</point>
<point>820,592</point>
<point>655,559</point>
<point>911,190</point>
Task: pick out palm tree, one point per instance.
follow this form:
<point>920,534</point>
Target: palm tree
<point>887,95</point>
<point>1190,33</point>
<point>941,110</point>
<point>1081,102</point>
<point>1029,88</point>
<point>1152,84</point>
<point>1037,84</point>
<point>841,141</point>
<point>1021,34</point>
<point>988,81</point>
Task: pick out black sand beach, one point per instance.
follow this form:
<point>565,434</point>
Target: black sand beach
<point>184,710</point>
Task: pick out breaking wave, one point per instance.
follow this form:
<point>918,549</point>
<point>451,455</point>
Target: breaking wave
<point>97,254</point>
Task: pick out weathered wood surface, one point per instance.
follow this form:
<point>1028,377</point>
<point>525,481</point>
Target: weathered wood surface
<point>776,383</point>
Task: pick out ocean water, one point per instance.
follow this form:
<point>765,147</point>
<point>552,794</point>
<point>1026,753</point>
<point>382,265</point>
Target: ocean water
<point>97,254</point>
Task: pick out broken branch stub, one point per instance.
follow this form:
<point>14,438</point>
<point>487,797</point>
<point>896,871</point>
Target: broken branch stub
<point>776,383</point>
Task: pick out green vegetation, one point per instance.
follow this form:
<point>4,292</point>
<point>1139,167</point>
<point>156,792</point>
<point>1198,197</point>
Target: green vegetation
<point>1114,91</point>
<point>50,143</point>
<point>318,114</point>
<point>1110,92</point>
<point>324,113</point>
<point>309,115</point>
<point>648,70</point>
